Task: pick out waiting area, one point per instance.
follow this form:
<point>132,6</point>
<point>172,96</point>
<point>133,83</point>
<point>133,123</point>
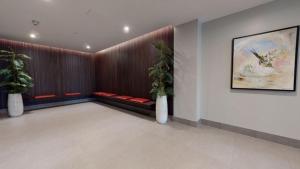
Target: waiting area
<point>165,84</point>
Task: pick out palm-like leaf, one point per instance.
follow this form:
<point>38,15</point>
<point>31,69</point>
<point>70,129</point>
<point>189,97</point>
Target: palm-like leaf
<point>160,73</point>
<point>4,72</point>
<point>13,76</point>
<point>5,52</point>
<point>22,56</point>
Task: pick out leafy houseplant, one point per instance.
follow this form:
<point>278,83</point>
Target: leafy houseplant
<point>162,80</point>
<point>15,80</point>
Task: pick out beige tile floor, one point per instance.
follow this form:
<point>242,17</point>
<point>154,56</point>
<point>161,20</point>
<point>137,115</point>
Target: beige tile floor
<point>92,136</point>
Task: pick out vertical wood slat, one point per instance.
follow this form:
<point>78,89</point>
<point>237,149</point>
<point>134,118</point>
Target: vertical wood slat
<point>123,69</point>
<point>54,70</point>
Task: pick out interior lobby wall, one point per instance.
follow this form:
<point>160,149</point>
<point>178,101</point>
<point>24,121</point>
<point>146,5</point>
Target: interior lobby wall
<point>266,111</point>
<point>55,71</point>
<point>123,69</point>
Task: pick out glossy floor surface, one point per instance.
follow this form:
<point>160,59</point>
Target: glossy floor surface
<point>92,136</point>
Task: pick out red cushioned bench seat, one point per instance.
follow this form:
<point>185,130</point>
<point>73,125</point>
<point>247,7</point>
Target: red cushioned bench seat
<point>45,96</point>
<point>123,97</point>
<point>139,100</point>
<point>104,94</point>
<point>142,105</point>
<point>72,94</point>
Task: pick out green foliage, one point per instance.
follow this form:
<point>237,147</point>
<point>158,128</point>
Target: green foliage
<point>162,72</point>
<point>13,77</point>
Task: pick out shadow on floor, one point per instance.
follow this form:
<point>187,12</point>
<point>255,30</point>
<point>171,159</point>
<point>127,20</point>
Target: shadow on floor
<point>146,117</point>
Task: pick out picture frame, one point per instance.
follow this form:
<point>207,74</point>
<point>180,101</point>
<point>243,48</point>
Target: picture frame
<point>266,61</point>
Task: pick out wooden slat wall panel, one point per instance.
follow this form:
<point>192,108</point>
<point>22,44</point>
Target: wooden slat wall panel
<point>77,74</point>
<point>54,70</point>
<point>3,96</point>
<point>123,69</point>
<point>45,71</point>
<point>70,71</point>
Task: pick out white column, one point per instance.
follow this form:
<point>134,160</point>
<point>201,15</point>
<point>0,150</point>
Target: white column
<point>187,71</point>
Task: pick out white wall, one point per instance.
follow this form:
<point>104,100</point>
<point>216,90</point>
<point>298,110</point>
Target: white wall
<point>187,71</point>
<point>272,112</point>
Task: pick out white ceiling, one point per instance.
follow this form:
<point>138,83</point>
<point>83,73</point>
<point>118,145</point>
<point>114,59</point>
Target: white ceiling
<point>72,23</point>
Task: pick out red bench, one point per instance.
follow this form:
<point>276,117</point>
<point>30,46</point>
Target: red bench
<point>123,97</point>
<point>45,96</point>
<point>139,100</point>
<point>104,94</point>
<point>142,105</point>
<point>72,94</point>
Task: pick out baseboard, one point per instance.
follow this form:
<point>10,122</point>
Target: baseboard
<point>184,121</point>
<point>253,133</point>
<point>48,105</point>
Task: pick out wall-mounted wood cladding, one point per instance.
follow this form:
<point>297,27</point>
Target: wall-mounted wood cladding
<point>54,70</point>
<point>123,69</point>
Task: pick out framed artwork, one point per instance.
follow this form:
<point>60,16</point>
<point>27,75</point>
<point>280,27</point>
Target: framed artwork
<point>265,61</point>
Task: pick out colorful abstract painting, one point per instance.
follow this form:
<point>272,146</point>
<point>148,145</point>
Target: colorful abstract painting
<point>265,61</point>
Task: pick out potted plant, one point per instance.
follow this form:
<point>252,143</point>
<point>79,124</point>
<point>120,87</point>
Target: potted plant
<point>15,80</point>
<point>162,80</point>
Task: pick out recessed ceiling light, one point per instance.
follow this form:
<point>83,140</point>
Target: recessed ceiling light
<point>32,36</point>
<point>87,46</point>
<point>126,29</point>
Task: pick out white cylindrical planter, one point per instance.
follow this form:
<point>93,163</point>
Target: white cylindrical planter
<point>162,109</point>
<point>15,105</point>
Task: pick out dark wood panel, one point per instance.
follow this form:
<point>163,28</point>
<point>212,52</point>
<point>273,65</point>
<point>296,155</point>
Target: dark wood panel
<point>3,95</point>
<point>44,68</point>
<point>54,70</point>
<point>77,74</point>
<point>123,69</point>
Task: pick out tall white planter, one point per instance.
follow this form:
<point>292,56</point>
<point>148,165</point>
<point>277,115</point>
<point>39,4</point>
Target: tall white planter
<point>161,109</point>
<point>15,105</point>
